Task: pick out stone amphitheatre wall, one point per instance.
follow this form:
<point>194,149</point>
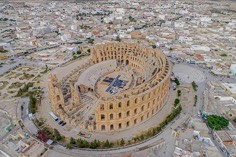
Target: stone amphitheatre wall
<point>136,105</point>
<point>127,108</point>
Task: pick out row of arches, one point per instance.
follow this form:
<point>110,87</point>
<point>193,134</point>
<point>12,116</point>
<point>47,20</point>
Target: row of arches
<point>127,124</point>
<point>134,102</point>
<point>132,112</point>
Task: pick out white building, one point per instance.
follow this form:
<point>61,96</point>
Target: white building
<point>233,69</point>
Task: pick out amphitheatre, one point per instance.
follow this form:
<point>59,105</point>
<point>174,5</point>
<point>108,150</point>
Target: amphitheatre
<point>121,85</point>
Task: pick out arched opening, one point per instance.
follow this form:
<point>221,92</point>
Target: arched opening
<point>111,106</point>
<point>120,115</point>
<point>142,118</point>
<point>127,114</point>
<point>120,126</point>
<point>143,96</point>
<point>127,124</point>
<point>111,116</point>
<point>128,103</point>
<point>127,62</point>
<point>142,108</point>
<point>136,100</point>
<point>79,89</point>
<point>111,127</point>
<point>102,107</point>
<point>103,127</point>
<point>119,104</point>
<point>135,111</point>
<point>102,117</point>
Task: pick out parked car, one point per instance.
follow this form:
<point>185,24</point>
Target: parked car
<point>64,123</point>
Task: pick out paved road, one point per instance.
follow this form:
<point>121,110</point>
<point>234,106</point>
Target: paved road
<point>124,151</point>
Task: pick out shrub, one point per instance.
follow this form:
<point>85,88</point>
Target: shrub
<point>82,143</point>
<point>177,82</point>
<point>194,85</point>
<point>122,142</point>
<point>78,52</point>
<point>68,146</point>
<point>56,135</point>
<point>107,144</point>
<point>178,93</point>
<point>177,101</point>
<point>32,104</point>
<point>95,144</point>
<point>72,140</point>
<point>154,46</point>
<point>195,100</point>
<point>234,119</point>
<point>23,90</point>
<point>223,55</point>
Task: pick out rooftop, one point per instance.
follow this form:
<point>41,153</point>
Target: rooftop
<point>230,87</point>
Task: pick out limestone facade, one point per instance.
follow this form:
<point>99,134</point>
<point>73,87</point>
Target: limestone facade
<point>138,104</point>
<point>148,94</point>
<point>64,109</point>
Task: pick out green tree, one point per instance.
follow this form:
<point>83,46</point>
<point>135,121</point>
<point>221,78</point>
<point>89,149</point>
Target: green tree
<point>177,82</point>
<point>217,122</point>
<point>72,140</point>
<point>142,137</point>
<point>107,144</point>
<point>57,135</point>
<point>154,46</point>
<point>178,93</point>
<point>78,52</point>
<point>95,144</point>
<point>122,142</point>
<point>177,101</point>
<point>82,143</point>
<point>32,104</point>
<point>68,146</point>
